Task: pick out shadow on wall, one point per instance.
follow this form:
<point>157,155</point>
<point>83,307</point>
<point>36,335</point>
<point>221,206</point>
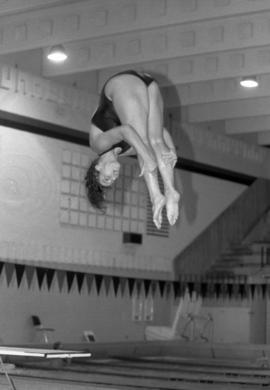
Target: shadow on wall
<point>173,118</point>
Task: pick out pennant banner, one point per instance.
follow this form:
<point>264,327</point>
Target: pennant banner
<point>107,283</point>
<point>29,273</point>
<point>147,284</point>
<point>9,269</point>
<point>70,278</point>
<point>161,284</point>
<point>80,280</point>
<point>49,277</point>
<point>60,275</point>
<point>233,288</point>
<point>131,283</point>
<point>41,272</point>
<point>123,283</point>
<point>116,283</point>
<point>19,269</point>
<point>98,280</point>
<point>89,281</point>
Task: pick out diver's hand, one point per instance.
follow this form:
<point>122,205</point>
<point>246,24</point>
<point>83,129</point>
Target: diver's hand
<point>149,166</point>
<point>169,158</point>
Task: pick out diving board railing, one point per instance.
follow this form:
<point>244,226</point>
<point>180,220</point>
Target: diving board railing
<point>228,229</point>
<point>188,323</point>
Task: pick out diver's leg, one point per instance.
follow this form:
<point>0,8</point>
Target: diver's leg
<point>131,102</point>
<point>165,157</point>
<point>156,197</point>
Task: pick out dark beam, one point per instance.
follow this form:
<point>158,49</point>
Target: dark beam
<point>51,130</point>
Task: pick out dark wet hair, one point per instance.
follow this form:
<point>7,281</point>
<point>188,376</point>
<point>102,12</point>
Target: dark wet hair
<point>94,190</point>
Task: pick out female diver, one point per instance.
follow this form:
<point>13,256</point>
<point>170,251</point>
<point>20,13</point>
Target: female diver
<point>128,121</point>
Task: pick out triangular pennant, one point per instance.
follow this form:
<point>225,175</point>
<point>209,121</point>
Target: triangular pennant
<point>1,266</point>
<point>80,279</point>
<point>116,283</point>
<point>34,283</point>
<point>40,272</point>
<point>107,283</point>
<point>23,283</point>
<point>70,277</point>
<point>64,289</point>
<point>131,283</point>
<point>89,282</point>
<point>263,290</point>
<point>211,289</point>
<point>190,287</point>
<point>230,289</point>
<point>147,284</point>
<point>268,290</point>
<point>98,280</point>
<point>183,287</point>
<point>224,289</point>
<point>217,289</point>
<point>49,277</point>
<point>138,286</point>
<point>252,290</point>
<point>161,284</point>
<point>168,289</point>
<point>3,279</point>
<point>60,278</point>
<point>236,292</point>
<point>29,272</point>
<point>243,290</point>
<point>9,270</point>
<point>176,289</point>
<point>154,288</point>
<point>123,282</point>
<point>19,271</point>
<point>83,289</point>
<point>53,286</point>
<point>204,289</point>
<point>259,290</point>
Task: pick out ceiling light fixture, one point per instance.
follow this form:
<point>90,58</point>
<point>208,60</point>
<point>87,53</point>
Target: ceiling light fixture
<point>249,82</point>
<point>57,54</point>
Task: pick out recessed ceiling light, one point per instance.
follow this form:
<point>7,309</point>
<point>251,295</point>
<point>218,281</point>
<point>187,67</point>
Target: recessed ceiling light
<point>249,82</point>
<point>57,54</point>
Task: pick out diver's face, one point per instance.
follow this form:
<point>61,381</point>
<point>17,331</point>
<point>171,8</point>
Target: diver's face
<point>108,172</point>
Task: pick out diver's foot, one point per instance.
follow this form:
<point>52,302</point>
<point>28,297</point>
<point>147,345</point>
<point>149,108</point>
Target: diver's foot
<point>158,204</point>
<point>172,207</point>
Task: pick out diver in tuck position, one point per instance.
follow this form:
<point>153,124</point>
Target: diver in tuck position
<point>128,121</point>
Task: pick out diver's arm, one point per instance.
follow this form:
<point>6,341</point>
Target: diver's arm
<point>102,141</point>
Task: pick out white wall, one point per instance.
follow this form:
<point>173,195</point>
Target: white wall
<point>30,212</point>
<point>108,315</point>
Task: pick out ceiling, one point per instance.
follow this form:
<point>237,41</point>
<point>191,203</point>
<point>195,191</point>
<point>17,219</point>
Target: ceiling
<point>197,49</point>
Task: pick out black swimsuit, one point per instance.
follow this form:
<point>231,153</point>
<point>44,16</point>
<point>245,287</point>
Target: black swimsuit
<point>106,118</point>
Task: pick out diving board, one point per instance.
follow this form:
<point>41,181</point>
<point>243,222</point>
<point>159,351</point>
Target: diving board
<point>42,353</point>
<point>36,353</point>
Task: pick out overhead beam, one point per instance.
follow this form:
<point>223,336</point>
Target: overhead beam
<point>213,91</point>
<point>264,138</point>
<point>61,24</point>
<point>204,67</point>
<point>19,6</point>
<point>161,43</point>
<point>228,110</point>
<point>248,125</point>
